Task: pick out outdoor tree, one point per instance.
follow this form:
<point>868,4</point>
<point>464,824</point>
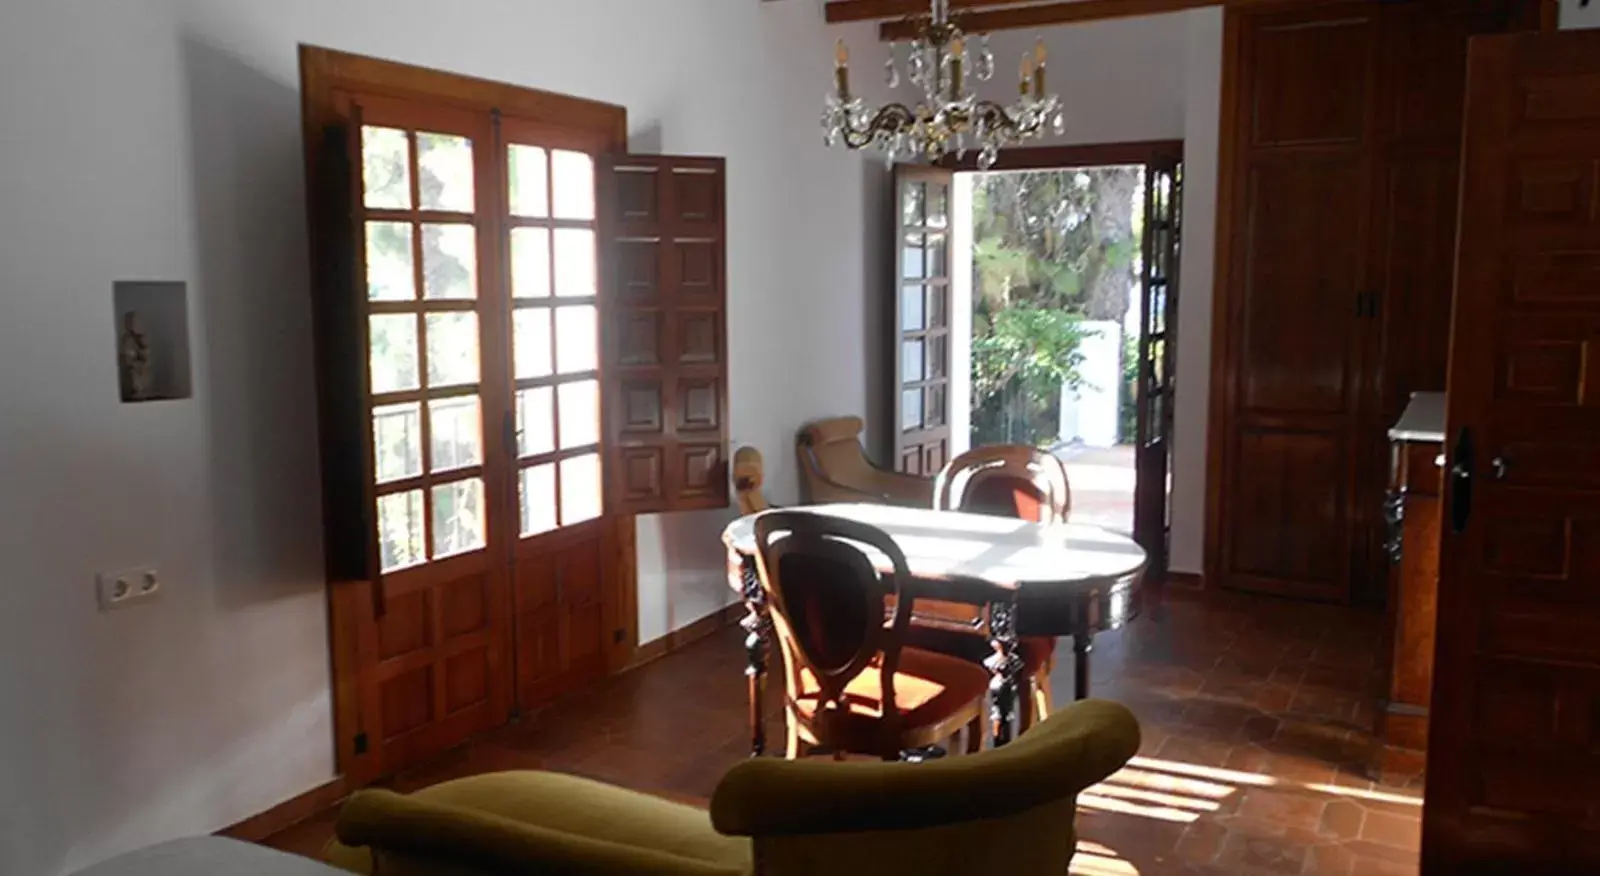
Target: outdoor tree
<point>1051,250</point>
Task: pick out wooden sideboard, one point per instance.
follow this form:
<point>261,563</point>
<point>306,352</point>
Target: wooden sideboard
<point>1413,513</point>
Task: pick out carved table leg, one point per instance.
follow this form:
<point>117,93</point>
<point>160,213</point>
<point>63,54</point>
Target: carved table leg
<point>756,626</point>
<point>1082,644</point>
<point>1005,666</point>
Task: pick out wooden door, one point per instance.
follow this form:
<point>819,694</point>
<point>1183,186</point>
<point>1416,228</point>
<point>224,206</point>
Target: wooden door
<point>1158,334</point>
<point>922,319</point>
<point>1514,749</point>
<point>560,562</point>
<point>1422,84</point>
<point>424,244</point>
<point>1295,292</point>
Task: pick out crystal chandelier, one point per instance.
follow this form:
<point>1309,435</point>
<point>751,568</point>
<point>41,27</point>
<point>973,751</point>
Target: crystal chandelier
<point>947,117</point>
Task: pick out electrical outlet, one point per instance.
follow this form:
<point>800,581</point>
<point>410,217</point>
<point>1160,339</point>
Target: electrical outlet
<point>119,589</point>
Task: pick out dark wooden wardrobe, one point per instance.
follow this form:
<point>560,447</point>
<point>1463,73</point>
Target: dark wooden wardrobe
<point>1341,135</point>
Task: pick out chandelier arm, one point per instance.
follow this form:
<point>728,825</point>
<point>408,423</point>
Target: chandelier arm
<point>890,120</point>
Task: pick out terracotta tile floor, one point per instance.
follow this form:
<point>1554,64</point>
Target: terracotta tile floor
<point>1255,716</point>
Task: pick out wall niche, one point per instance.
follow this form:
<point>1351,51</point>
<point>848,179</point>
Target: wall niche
<point>152,340</point>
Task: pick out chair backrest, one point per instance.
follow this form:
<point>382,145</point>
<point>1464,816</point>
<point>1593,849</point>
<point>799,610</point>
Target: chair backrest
<point>831,449</point>
<point>834,468</point>
<point>828,601</point>
<point>749,473</point>
<point>1006,480</point>
<point>1004,810</point>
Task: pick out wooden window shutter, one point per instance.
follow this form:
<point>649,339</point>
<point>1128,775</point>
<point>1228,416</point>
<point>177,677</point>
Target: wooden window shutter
<point>664,337</point>
<point>340,326</point>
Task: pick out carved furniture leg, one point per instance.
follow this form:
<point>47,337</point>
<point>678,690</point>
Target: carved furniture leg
<point>1081,645</point>
<point>757,626</point>
<point>1004,665</point>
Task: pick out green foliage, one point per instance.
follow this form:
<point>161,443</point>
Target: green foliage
<point>1036,345</point>
<point>1128,398</point>
<point>1053,248</point>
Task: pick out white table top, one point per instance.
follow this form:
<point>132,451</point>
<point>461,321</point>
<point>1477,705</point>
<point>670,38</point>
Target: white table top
<point>996,550</point>
<point>1423,419</point>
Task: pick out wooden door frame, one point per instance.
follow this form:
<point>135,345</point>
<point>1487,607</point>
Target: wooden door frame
<point>1144,153</point>
<point>326,73</point>
<point>1072,156</point>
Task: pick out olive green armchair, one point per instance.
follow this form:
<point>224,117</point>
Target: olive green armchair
<point>1007,810</point>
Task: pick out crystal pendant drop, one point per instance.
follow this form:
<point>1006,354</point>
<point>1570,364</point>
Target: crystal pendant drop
<point>1059,123</point>
<point>984,68</point>
<point>891,69</point>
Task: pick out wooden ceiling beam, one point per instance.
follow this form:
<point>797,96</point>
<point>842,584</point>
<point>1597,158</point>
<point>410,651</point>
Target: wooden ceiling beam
<point>840,11</point>
<point>1054,13</point>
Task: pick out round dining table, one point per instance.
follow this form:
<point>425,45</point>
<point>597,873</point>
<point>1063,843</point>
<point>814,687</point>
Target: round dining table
<point>1026,579</point>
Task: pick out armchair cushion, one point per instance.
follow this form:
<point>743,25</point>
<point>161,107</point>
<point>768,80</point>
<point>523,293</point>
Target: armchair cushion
<point>516,822</point>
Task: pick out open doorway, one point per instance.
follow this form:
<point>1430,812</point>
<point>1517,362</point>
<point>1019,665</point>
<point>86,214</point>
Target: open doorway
<point>1055,327</point>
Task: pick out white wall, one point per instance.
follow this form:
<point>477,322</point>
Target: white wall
<point>1119,79</point>
<point>1574,16</point>
<point>160,139</point>
<point>1202,130</point>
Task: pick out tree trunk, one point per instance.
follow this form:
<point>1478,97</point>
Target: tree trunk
<point>1107,285</point>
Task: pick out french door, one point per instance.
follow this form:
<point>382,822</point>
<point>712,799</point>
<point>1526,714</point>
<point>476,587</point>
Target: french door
<point>553,425</point>
<point>427,246</point>
<point>1157,389</point>
<point>922,319</point>
<point>479,543</point>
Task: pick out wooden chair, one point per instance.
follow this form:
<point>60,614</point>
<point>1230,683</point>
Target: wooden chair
<point>851,685</point>
<point>749,473</point>
<point>834,468</point>
<point>1009,481</point>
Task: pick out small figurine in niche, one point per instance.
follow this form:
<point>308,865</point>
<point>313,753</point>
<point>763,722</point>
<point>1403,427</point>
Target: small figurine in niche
<point>133,351</point>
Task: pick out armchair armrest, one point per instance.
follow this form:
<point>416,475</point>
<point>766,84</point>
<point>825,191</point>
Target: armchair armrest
<point>394,824</point>
<point>1067,753</point>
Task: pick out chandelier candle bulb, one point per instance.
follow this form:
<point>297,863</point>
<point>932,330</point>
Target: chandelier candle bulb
<point>957,81</point>
<point>1040,55</point>
<point>841,70</point>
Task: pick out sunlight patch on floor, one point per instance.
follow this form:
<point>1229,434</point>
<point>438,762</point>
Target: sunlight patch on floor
<point>1142,795</point>
<point>1171,784</point>
<point>1089,864</point>
<point>1372,796</point>
<point>1204,772</point>
<point>1097,803</point>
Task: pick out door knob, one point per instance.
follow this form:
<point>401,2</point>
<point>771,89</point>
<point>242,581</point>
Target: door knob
<point>1501,466</point>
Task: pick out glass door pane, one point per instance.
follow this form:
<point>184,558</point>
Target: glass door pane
<point>555,335</point>
<point>425,343</point>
